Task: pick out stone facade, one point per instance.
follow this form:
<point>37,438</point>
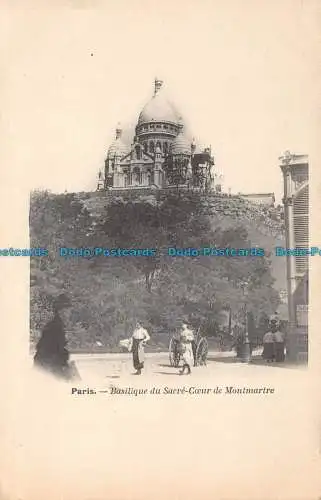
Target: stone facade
<point>295,169</point>
<point>160,155</point>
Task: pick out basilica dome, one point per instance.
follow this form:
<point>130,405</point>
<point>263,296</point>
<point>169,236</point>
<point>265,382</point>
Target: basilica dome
<point>117,147</point>
<point>158,109</point>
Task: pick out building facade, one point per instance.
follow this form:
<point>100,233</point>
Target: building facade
<point>295,169</point>
<point>160,155</point>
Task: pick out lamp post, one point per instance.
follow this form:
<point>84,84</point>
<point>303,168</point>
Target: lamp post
<point>246,348</point>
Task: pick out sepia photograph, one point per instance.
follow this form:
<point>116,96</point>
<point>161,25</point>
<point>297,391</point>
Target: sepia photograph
<point>161,257</point>
<point>160,250</point>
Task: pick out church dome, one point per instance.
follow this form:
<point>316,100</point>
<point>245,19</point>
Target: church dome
<point>118,147</point>
<point>181,145</point>
<point>158,109</point>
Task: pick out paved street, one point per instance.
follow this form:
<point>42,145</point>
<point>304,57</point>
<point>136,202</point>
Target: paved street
<point>104,367</point>
<point>187,446</point>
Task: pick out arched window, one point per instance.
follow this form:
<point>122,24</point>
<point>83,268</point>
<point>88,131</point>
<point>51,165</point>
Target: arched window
<point>165,149</point>
<point>127,178</point>
<point>145,147</point>
<point>137,176</point>
<point>138,152</point>
<point>158,145</point>
<point>151,147</point>
<point>149,177</point>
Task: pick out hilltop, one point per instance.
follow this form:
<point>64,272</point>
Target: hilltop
<point>109,295</point>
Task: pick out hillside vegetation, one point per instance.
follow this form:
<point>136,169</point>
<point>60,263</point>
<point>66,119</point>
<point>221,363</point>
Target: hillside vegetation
<point>109,294</point>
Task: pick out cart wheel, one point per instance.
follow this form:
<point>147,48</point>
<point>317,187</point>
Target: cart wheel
<point>174,355</point>
<point>201,352</point>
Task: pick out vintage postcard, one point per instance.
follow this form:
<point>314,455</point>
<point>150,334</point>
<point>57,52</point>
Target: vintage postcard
<point>160,250</point>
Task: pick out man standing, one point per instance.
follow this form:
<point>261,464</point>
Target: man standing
<point>51,353</point>
<point>279,342</point>
<point>187,337</point>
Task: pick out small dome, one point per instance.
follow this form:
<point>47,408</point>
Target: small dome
<point>158,109</point>
<point>118,147</point>
<point>181,145</point>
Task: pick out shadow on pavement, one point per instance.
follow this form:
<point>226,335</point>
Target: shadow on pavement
<point>168,373</point>
<point>257,360</point>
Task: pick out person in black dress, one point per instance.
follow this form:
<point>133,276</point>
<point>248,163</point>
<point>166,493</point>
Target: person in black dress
<point>51,352</point>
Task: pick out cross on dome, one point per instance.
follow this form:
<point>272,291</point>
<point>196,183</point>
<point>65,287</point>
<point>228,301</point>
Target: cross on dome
<point>118,130</point>
<point>158,85</point>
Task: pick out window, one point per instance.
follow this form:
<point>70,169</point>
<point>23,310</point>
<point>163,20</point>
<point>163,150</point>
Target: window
<point>302,315</point>
<point>127,178</point>
<point>158,145</point>
<point>165,149</point>
<point>145,147</point>
<point>137,176</point>
<point>138,152</point>
<point>151,147</point>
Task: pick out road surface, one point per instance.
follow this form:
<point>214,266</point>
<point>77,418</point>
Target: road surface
<point>101,367</point>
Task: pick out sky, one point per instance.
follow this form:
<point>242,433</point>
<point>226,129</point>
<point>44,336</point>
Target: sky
<point>243,73</point>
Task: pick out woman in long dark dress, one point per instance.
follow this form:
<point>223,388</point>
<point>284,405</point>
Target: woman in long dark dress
<point>51,352</point>
<point>268,347</point>
<point>279,344</point>
<point>269,353</point>
<point>139,338</point>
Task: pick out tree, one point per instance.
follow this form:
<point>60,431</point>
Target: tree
<point>110,293</point>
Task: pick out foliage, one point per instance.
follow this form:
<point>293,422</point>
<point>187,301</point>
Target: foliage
<point>110,293</point>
